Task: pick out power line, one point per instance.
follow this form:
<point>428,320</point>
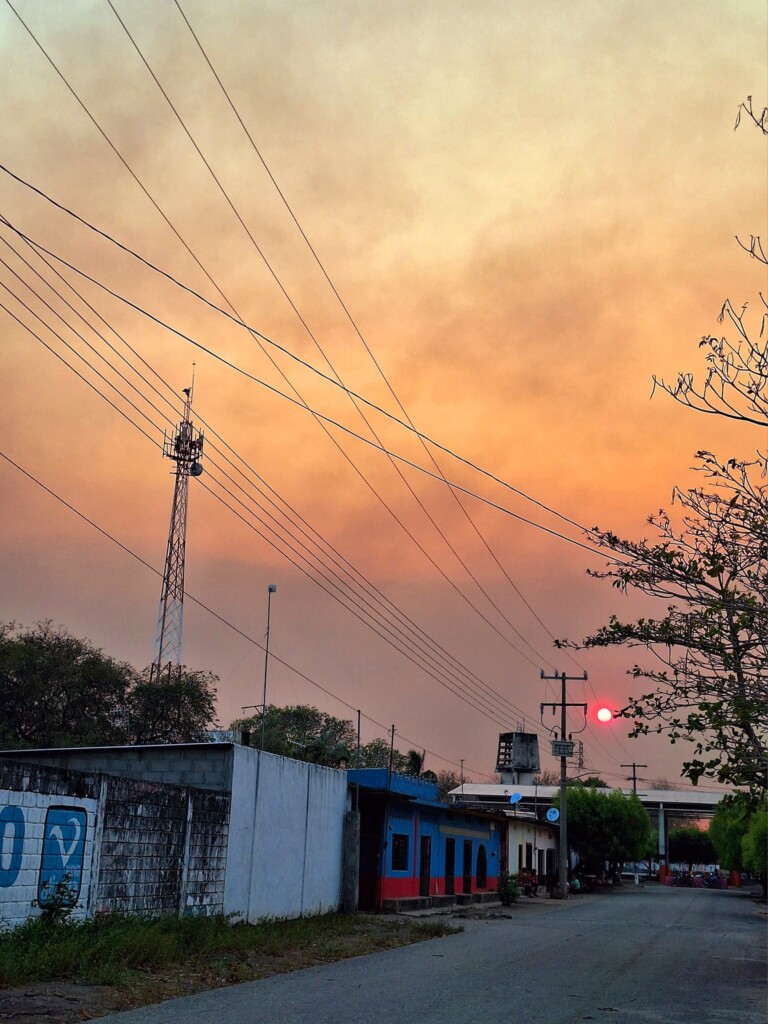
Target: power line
<point>483,590</point>
<point>360,335</point>
<point>473,696</point>
<point>216,615</point>
<point>284,351</point>
<point>316,413</point>
<point>187,247</point>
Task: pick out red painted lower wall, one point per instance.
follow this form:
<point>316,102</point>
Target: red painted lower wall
<point>402,888</point>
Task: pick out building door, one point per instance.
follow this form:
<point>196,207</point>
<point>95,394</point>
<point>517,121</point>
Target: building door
<point>450,866</point>
<point>425,868</point>
<point>467,865</point>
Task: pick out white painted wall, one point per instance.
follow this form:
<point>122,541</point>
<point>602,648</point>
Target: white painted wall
<point>19,880</point>
<point>285,839</point>
<point>527,832</point>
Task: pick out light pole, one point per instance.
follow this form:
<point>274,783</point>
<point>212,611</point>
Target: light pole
<point>271,589</point>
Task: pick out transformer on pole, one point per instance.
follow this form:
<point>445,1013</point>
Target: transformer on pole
<point>185,447</point>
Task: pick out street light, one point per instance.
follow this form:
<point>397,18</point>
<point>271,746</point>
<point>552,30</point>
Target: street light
<point>271,589</point>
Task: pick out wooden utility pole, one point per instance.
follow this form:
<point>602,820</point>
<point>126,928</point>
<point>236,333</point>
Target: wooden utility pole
<point>634,766</point>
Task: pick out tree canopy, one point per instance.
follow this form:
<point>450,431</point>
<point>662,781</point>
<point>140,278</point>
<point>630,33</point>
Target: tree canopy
<point>689,845</point>
<point>57,690</point>
<point>710,664</point>
<point>307,734</point>
<point>709,649</point>
<point>739,832</point>
<point>605,827</point>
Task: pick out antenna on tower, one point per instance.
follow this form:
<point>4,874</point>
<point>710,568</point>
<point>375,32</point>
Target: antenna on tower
<point>185,448</point>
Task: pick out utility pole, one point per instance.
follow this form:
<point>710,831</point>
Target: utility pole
<point>391,757</point>
<point>185,448</point>
<point>271,589</point>
<point>634,766</point>
<point>564,749</point>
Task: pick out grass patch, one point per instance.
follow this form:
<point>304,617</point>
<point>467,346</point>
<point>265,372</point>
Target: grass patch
<point>192,952</point>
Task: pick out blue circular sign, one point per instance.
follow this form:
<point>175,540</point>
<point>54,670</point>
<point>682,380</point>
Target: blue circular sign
<point>553,814</point>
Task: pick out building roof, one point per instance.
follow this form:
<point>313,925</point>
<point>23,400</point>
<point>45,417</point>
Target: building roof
<point>484,794</point>
<point>382,780</point>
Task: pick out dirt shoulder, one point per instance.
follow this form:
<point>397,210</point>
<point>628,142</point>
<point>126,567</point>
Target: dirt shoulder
<point>66,1002</point>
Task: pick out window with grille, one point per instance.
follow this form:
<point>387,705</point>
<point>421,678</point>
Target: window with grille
<point>399,852</point>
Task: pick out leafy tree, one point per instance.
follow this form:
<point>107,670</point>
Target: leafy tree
<point>711,647</point>
<point>605,827</point>
<point>691,846</point>
<point>302,732</point>
<point>738,833</point>
<point>446,781</point>
<point>754,847</point>
<point>376,754</point>
<point>589,780</point>
<point>327,750</point>
<point>711,687</point>
<point>414,762</point>
<point>179,710</point>
<point>57,691</point>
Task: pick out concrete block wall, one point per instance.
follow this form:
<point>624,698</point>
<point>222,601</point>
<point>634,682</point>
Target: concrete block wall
<point>142,847</point>
<point>208,833</point>
<point>130,845</point>
<point>47,828</point>
<point>284,857</point>
<point>203,765</point>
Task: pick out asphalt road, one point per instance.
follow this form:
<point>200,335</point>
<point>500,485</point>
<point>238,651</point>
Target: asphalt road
<point>639,956</point>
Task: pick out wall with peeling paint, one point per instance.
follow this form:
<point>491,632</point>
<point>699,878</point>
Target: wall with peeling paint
<point>250,833</point>
<point>47,825</point>
<point>101,842</point>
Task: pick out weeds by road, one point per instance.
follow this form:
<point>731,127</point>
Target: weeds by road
<point>76,971</point>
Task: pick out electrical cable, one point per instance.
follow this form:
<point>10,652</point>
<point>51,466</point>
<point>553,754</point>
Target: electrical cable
<point>253,331</point>
<point>474,696</point>
<point>483,590</point>
<point>186,246</point>
<point>359,333</point>
<point>314,412</point>
<point>219,617</point>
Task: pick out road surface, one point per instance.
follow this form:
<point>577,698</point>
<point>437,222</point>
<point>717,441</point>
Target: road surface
<point>647,955</point>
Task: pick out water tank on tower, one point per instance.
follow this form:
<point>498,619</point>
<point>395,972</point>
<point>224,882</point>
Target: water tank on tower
<point>518,758</point>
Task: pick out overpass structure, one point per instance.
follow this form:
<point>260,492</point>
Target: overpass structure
<point>532,801</point>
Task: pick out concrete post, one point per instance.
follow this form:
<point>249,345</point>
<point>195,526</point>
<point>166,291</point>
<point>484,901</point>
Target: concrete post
<point>350,866</point>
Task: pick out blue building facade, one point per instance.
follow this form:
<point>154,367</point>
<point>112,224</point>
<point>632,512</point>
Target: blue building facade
<point>413,845</point>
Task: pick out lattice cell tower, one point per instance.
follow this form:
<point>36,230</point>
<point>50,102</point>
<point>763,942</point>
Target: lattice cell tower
<point>185,447</point>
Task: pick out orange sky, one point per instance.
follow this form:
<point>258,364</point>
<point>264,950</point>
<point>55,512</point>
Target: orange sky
<point>528,208</point>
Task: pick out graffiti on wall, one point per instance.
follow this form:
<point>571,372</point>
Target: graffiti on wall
<point>62,852</point>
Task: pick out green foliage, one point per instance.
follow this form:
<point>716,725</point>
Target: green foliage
<point>605,827</point>
<point>739,833</point>
<point>110,948</point>
<point>176,710</point>
<point>691,846</point>
<point>58,691</point>
<point>728,827</point>
<point>304,733</point>
<point>710,648</point>
<point>307,734</point>
<point>446,781</point>
<point>754,845</point>
<point>590,780</point>
<point>59,902</point>
<point>509,889</point>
